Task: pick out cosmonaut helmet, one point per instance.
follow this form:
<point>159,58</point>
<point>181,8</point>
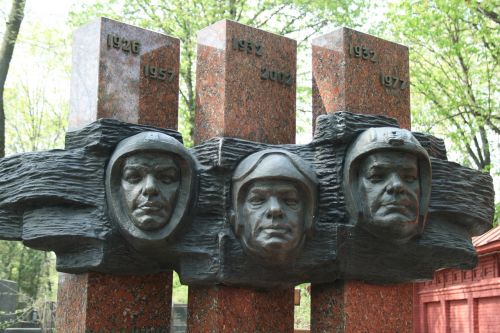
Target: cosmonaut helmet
<point>385,139</point>
<point>277,164</point>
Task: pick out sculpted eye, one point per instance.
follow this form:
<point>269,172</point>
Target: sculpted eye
<point>292,202</point>
<point>167,176</point>
<point>376,177</point>
<point>132,177</point>
<point>256,200</point>
<point>409,178</point>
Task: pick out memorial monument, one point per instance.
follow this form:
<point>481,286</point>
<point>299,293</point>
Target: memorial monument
<point>171,205</point>
<point>364,200</point>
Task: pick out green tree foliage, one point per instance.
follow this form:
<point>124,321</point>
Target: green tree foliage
<point>32,270</point>
<point>13,24</point>
<point>302,315</point>
<point>180,296</point>
<point>454,55</point>
<point>36,105</point>
<point>184,18</point>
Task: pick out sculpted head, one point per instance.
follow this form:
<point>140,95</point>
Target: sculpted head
<point>148,185</point>
<point>387,182</point>
<point>275,199</point>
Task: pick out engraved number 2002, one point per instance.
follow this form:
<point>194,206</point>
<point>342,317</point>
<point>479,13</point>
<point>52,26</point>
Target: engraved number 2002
<point>283,78</point>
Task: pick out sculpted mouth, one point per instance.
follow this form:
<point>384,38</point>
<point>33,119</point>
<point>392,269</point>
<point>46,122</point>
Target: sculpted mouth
<point>396,204</point>
<point>151,206</point>
<point>276,229</point>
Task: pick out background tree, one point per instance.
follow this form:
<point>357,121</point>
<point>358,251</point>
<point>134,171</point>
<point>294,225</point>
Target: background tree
<point>13,25</point>
<point>184,18</point>
<point>32,270</point>
<point>36,106</point>
<point>37,99</point>
<point>454,55</point>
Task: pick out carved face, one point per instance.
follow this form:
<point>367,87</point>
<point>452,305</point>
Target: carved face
<point>390,189</point>
<point>273,218</point>
<point>150,182</point>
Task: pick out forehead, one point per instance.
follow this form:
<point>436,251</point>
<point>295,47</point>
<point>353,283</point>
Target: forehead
<point>150,159</point>
<point>390,159</point>
<point>277,185</point>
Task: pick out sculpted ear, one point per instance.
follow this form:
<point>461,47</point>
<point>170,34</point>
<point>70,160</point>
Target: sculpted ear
<point>234,223</point>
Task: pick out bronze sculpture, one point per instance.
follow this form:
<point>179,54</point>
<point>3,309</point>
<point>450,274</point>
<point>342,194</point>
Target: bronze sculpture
<point>79,203</point>
<point>148,185</point>
<point>387,182</point>
<point>275,199</point>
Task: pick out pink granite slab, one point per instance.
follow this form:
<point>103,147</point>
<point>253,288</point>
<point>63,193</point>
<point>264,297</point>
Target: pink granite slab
<point>347,66</point>
<point>109,78</point>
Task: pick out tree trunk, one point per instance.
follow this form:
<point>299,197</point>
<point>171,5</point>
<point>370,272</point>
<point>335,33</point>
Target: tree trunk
<point>6,51</point>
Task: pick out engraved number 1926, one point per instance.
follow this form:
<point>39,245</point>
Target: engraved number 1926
<point>124,44</point>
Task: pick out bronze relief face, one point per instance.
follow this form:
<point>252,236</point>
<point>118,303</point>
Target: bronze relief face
<point>274,215</point>
<point>387,178</point>
<point>390,188</point>
<point>150,182</point>
<point>274,193</point>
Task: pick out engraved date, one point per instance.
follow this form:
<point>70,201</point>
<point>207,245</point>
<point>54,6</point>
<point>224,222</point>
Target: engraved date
<point>392,82</point>
<point>280,77</point>
<point>362,52</point>
<point>124,44</point>
<point>247,46</point>
<point>161,74</point>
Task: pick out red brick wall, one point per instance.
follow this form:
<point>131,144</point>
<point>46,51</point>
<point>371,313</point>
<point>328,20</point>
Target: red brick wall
<point>460,301</point>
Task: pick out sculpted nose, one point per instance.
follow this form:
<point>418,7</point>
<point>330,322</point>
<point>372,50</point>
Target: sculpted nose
<point>150,187</point>
<point>274,209</point>
<point>395,185</point>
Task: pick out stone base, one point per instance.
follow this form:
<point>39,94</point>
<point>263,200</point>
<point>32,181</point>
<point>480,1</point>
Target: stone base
<point>226,309</point>
<point>354,306</point>
<point>93,302</point>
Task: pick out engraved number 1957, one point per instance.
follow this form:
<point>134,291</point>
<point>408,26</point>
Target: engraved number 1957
<point>157,73</point>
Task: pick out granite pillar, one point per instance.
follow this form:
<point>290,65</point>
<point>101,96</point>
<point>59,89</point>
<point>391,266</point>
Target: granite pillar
<point>356,72</point>
<point>242,310</point>
<point>245,89</point>
<point>95,302</point>
<point>130,74</point>
<point>123,72</point>
<point>354,306</point>
<point>246,84</point>
<point>360,73</point>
